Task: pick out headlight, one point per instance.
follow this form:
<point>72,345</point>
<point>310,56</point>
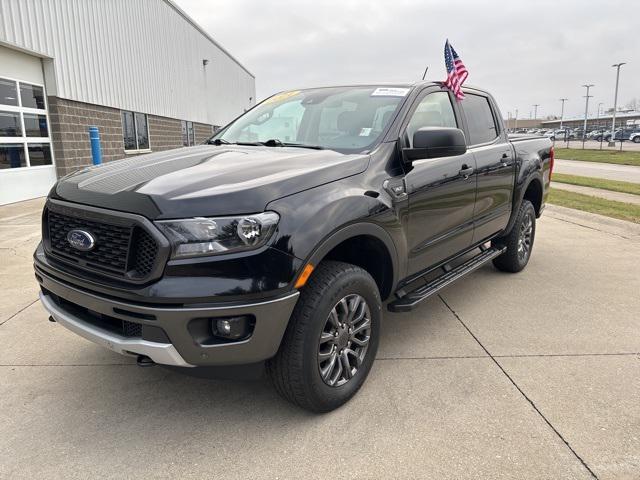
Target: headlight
<point>200,236</point>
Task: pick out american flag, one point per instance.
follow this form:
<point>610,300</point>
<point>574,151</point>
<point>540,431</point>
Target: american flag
<point>456,71</point>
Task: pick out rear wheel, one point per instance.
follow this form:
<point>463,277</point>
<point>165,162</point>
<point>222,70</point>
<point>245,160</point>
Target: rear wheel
<point>331,340</point>
<point>636,139</point>
<point>519,241</point>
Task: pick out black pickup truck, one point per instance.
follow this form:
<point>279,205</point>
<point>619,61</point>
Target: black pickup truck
<point>276,243</point>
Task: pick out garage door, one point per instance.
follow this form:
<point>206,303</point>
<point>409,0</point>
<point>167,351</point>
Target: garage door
<point>26,155</point>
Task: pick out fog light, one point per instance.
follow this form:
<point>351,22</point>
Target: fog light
<point>231,328</point>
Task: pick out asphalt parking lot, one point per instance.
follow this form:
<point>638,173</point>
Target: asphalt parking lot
<point>534,375</point>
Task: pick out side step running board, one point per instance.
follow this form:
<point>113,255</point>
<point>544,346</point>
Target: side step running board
<point>409,301</point>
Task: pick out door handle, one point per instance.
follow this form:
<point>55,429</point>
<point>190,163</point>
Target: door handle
<point>465,171</point>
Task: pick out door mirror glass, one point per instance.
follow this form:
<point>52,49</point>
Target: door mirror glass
<point>436,142</point>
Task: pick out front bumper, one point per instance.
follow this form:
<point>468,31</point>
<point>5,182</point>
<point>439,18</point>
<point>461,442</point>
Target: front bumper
<point>76,309</point>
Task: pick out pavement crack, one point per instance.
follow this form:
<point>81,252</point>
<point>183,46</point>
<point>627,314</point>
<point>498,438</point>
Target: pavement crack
<point>590,227</point>
<point>19,311</point>
<point>451,357</point>
<point>533,405</point>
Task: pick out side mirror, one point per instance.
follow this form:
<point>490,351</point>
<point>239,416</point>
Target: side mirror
<point>436,142</point>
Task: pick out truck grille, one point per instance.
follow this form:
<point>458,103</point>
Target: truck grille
<point>126,251</point>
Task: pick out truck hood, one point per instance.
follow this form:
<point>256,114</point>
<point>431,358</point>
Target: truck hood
<point>206,180</point>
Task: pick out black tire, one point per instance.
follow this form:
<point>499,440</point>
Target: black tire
<point>636,139</point>
<point>295,370</point>
<point>519,241</point>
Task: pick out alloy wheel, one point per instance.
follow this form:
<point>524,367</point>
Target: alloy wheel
<point>344,340</point>
<point>524,239</point>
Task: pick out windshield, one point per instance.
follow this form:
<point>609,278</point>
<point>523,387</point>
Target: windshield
<point>346,119</point>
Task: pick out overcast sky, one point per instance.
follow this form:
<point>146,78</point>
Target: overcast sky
<point>524,52</point>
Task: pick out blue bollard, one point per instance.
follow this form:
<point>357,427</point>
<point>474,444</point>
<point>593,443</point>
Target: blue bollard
<point>96,151</point>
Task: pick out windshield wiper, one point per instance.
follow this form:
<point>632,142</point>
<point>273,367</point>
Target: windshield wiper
<point>276,142</point>
<point>220,141</point>
<point>272,142</point>
<point>302,145</point>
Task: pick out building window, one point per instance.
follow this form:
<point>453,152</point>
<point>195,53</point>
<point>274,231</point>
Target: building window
<point>24,126</point>
<point>12,155</point>
<point>32,96</point>
<point>10,125</point>
<point>135,131</point>
<point>8,92</point>
<point>188,134</point>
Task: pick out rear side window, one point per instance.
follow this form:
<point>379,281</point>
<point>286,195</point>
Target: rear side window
<point>480,120</point>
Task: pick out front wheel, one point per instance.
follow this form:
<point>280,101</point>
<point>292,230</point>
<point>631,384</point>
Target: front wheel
<point>331,340</point>
<point>636,139</point>
<point>519,241</point>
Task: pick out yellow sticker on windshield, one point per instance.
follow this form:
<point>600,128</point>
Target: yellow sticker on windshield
<point>279,97</point>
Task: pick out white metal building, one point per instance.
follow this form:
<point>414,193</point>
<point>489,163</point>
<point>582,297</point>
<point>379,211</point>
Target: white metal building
<point>142,71</point>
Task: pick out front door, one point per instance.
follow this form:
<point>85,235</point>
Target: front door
<point>441,190</point>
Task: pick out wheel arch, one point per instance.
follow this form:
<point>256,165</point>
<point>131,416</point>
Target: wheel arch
<point>364,244</point>
<point>531,190</point>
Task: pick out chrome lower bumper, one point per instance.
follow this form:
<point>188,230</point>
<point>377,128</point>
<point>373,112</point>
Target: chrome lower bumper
<point>163,353</point>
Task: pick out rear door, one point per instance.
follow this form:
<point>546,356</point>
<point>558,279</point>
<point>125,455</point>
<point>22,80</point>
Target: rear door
<point>441,194</point>
<point>495,165</point>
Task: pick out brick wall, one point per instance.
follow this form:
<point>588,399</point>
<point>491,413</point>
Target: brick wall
<point>202,132</point>
<point>70,122</point>
<point>164,133</point>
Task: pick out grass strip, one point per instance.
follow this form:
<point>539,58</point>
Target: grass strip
<point>603,156</point>
<point>602,183</point>
<point>601,206</point>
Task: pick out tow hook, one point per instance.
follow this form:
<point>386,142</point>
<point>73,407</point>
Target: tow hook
<point>144,361</point>
<point>51,319</point>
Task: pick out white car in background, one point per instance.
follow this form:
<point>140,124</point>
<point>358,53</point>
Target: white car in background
<point>635,137</point>
<point>557,134</point>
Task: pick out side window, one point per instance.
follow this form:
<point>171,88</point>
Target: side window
<point>480,120</point>
<point>434,110</point>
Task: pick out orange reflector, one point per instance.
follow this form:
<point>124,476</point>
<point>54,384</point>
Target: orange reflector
<point>304,276</point>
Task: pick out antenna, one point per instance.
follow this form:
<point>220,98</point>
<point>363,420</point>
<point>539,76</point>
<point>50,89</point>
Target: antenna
<point>425,72</point>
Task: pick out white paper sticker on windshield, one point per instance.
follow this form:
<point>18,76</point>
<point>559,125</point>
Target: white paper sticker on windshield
<point>390,92</point>
<point>365,132</point>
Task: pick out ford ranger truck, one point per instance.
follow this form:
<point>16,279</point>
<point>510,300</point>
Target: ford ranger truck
<point>277,242</point>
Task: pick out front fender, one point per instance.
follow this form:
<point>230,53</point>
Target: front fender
<point>315,221</point>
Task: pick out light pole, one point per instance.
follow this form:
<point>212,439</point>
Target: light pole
<point>599,131</point>
<point>535,110</point>
<point>612,140</point>
<point>515,126</point>
<point>562,111</point>
<point>586,110</point>
<point>598,117</point>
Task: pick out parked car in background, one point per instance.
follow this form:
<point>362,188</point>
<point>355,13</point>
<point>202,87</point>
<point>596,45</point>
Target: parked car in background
<point>559,134</point>
<point>621,134</point>
<point>635,137</point>
<point>600,135</point>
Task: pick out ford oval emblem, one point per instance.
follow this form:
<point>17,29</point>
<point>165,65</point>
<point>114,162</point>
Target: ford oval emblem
<point>81,240</point>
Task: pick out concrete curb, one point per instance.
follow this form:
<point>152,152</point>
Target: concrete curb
<point>613,226</point>
<point>598,192</point>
